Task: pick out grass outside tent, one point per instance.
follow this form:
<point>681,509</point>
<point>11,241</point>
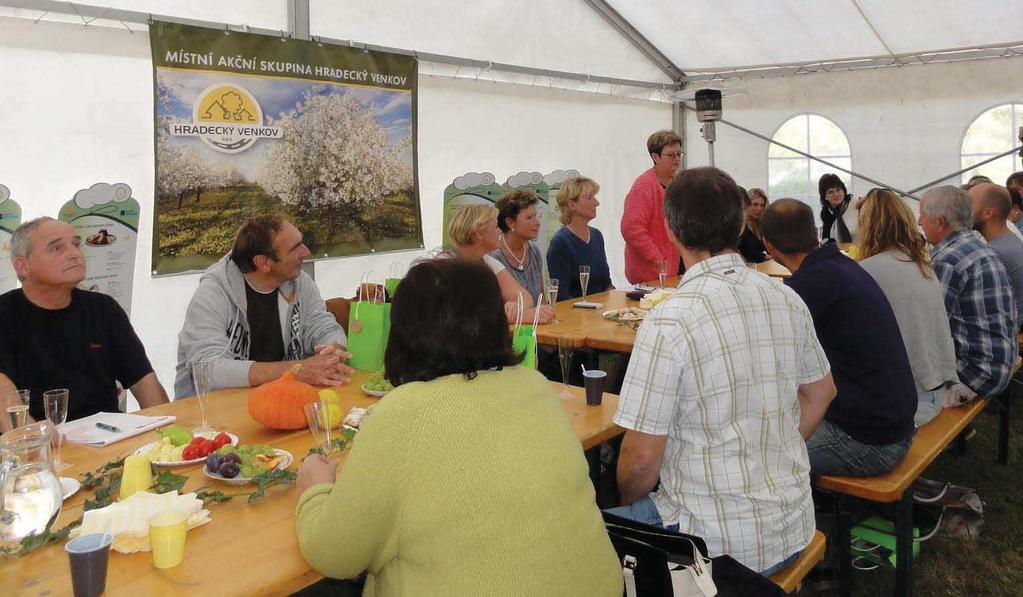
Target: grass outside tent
<point>989,565</point>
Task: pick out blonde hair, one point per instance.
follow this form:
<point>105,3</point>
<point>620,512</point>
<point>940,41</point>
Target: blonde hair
<point>886,223</point>
<point>571,190</point>
<point>467,220</point>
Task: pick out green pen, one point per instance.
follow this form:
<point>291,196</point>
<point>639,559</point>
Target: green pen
<point>106,427</point>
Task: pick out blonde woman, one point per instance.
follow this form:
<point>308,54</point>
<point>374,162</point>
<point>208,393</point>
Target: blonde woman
<point>577,243</point>
<point>473,229</point>
<point>894,253</point>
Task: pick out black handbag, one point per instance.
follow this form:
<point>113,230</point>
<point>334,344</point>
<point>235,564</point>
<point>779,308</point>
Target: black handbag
<point>651,554</point>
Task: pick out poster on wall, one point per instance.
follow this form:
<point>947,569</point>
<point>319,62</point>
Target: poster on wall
<point>106,217</point>
<point>481,188</point>
<point>471,188</point>
<point>10,219</point>
<point>251,124</point>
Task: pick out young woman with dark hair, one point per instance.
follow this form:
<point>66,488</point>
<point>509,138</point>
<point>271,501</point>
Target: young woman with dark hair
<point>466,479</point>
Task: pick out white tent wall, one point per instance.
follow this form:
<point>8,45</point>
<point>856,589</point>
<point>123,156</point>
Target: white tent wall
<point>905,125</point>
<point>78,109</point>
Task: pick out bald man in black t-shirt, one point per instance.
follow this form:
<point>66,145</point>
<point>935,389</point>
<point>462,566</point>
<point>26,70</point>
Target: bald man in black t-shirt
<point>54,335</point>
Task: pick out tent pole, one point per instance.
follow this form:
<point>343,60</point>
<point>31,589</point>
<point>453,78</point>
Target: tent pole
<point>816,159</point>
<point>967,169</point>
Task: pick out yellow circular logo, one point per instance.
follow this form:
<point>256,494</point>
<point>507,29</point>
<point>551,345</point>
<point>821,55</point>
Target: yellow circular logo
<point>227,118</point>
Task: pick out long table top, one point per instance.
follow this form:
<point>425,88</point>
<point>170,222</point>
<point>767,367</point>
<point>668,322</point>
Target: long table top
<point>247,549</point>
<point>587,328</point>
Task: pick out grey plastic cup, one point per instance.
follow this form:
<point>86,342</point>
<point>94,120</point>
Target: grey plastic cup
<point>593,380</point>
<point>89,555</point>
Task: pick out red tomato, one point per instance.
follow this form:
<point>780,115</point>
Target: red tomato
<point>190,452</point>
<point>206,447</point>
<point>222,439</point>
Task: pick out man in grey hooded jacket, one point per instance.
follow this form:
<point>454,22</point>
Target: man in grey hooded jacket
<point>256,314</point>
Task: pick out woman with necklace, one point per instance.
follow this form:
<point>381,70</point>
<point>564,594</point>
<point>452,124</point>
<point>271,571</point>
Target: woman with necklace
<point>577,243</point>
<point>473,229</point>
<point>520,224</point>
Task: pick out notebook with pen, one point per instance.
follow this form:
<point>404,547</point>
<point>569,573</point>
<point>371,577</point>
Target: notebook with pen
<point>98,429</point>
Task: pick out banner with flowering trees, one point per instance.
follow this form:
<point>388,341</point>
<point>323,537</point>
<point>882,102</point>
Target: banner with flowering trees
<point>249,124</point>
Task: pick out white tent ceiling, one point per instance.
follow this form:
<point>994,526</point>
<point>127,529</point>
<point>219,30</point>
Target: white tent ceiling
<point>705,39</point>
<point>699,36</point>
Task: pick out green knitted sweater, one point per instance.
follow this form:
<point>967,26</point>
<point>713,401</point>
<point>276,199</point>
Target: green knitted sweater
<point>463,487</point>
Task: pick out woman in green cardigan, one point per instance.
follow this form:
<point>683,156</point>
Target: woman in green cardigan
<point>467,479</point>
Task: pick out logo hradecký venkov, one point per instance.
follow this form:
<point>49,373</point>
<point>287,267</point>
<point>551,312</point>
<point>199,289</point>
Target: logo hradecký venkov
<point>227,118</point>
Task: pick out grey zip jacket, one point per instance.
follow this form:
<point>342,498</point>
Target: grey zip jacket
<point>217,327</point>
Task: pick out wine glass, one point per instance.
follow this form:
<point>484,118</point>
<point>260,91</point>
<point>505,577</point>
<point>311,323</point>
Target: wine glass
<point>662,270</point>
<point>17,408</point>
<point>552,294</point>
<point>202,377</point>
<point>317,414</point>
<point>565,358</point>
<point>584,278</point>
<point>55,407</point>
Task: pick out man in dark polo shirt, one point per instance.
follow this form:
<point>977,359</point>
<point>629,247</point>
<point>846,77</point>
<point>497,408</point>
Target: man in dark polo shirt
<point>868,428</point>
<point>54,335</point>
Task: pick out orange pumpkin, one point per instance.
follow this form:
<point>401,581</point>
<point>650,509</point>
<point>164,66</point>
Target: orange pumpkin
<point>278,404</point>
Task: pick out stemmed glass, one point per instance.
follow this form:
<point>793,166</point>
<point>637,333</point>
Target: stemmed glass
<point>202,377</point>
<point>17,408</point>
<point>662,271</point>
<point>552,294</point>
<point>55,407</point>
<point>317,414</point>
<point>584,278</point>
<point>565,358</point>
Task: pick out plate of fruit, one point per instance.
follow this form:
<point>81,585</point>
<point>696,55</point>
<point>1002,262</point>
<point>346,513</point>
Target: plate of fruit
<point>179,446</point>
<point>238,465</point>
<point>377,385</point>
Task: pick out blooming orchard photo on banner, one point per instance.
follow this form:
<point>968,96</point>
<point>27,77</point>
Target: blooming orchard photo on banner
<point>247,124</point>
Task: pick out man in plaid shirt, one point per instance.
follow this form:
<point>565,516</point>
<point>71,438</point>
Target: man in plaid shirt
<point>978,295</point>
<point>726,380</point>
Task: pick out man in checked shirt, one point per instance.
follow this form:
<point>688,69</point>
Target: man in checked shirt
<point>978,295</point>
<point>726,381</point>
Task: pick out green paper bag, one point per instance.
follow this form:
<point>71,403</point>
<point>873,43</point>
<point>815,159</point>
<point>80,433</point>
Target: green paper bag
<point>523,340</point>
<point>369,324</point>
<point>391,284</point>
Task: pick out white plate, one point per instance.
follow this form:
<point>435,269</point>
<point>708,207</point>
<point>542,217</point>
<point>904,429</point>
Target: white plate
<point>615,314</point>
<point>285,463</point>
<point>377,393</point>
<point>145,448</point>
<point>70,486</point>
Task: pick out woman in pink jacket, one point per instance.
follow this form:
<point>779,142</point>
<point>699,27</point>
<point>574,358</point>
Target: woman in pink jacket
<point>643,226</point>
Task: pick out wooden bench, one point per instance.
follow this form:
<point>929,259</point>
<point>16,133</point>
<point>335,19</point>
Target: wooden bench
<point>789,579</point>
<point>891,488</point>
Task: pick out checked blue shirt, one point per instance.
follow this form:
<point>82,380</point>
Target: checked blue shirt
<point>981,312</point>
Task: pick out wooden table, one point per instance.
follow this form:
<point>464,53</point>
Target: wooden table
<point>247,549</point>
<point>587,328</point>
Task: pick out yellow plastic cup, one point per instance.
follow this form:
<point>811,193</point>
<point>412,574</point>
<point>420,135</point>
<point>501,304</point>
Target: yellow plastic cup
<point>167,532</point>
<point>854,252</point>
<point>137,475</point>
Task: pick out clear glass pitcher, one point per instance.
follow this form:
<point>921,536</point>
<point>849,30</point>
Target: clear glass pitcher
<point>30,492</point>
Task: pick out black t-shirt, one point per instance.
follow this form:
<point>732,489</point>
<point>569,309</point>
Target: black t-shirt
<point>84,347</point>
<point>263,313</point>
<point>751,248</point>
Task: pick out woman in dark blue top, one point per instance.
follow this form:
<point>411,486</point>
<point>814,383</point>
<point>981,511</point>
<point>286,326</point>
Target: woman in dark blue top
<point>577,243</point>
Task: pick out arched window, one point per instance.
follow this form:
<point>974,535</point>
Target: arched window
<point>792,175</point>
<point>993,132</point>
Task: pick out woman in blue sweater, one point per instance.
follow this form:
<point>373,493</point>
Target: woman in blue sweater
<point>577,243</point>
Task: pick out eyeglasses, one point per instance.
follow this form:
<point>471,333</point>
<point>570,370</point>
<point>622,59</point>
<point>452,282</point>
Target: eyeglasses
<point>673,155</point>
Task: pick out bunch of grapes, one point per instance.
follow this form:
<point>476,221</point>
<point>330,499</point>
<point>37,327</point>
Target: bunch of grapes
<point>378,383</point>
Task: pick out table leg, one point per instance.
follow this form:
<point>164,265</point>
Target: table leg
<point>904,545</point>
<point>1003,426</point>
<point>843,536</point>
